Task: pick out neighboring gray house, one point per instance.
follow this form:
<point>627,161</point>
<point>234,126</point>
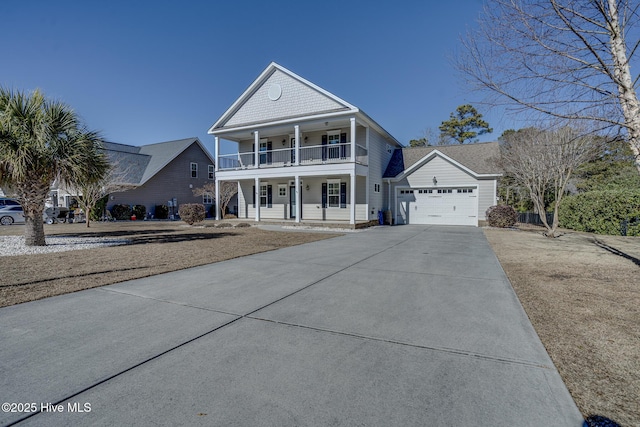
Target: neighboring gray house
<point>306,155</point>
<point>159,173</point>
<point>162,172</point>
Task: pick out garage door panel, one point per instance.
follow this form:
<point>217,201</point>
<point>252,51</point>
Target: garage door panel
<point>448,207</point>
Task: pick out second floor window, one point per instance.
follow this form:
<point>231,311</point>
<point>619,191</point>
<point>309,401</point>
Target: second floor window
<point>211,170</point>
<point>194,170</point>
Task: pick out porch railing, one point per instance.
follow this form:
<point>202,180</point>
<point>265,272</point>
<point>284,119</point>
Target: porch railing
<point>313,155</point>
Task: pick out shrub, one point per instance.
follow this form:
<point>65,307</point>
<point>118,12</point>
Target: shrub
<point>225,225</point>
<point>121,212</point>
<point>99,208</point>
<point>161,212</point>
<point>601,212</point>
<point>243,225</point>
<point>230,216</point>
<point>192,212</point>
<point>140,211</point>
<point>502,216</point>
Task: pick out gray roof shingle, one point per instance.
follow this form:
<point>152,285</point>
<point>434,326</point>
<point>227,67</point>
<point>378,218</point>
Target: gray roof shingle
<point>477,157</point>
<point>140,163</point>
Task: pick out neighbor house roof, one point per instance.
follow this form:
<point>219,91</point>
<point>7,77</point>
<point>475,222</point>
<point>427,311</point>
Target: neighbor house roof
<point>478,157</point>
<point>141,163</point>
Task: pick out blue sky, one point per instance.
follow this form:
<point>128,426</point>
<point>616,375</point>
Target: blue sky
<point>151,71</point>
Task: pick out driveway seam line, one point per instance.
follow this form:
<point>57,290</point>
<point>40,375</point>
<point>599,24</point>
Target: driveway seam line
<point>168,301</point>
<point>117,374</point>
<point>447,350</point>
<point>329,275</point>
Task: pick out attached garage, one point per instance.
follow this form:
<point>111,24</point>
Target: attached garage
<point>440,206</point>
<point>449,185</point>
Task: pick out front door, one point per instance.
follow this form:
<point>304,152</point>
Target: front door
<point>292,201</point>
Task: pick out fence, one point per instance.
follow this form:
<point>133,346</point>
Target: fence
<point>625,224</point>
<point>533,218</point>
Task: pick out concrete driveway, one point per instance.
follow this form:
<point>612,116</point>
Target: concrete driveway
<point>393,326</point>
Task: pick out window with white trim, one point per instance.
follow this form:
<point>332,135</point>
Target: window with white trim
<point>207,199</point>
<point>333,193</point>
<point>194,170</point>
<point>210,171</point>
<point>282,190</point>
<point>263,195</point>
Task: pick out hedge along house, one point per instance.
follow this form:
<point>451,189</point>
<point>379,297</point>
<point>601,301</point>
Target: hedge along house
<point>303,153</point>
<point>156,174</point>
<point>450,184</point>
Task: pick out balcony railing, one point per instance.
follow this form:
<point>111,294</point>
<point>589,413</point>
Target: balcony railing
<point>313,155</point>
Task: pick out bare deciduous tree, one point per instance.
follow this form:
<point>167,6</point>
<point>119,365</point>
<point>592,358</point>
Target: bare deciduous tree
<point>542,161</point>
<point>228,189</point>
<point>90,193</point>
<point>568,59</point>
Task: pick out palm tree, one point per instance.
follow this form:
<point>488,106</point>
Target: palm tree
<point>40,141</point>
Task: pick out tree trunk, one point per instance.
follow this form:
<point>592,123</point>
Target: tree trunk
<point>34,226</point>
<point>622,73</point>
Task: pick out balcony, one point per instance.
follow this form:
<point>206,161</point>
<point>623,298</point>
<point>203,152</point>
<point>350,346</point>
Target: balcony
<point>311,155</point>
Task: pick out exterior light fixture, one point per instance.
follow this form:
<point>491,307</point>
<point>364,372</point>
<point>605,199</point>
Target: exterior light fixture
<point>435,181</point>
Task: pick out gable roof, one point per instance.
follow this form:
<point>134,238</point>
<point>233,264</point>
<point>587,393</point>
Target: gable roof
<point>279,94</point>
<point>293,98</point>
<point>141,163</point>
<point>476,158</point>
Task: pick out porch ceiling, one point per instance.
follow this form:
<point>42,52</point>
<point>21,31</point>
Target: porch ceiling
<point>267,131</point>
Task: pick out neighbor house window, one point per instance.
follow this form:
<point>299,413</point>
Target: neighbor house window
<point>333,193</point>
<point>207,199</point>
<point>376,188</point>
<point>211,169</point>
<point>194,170</point>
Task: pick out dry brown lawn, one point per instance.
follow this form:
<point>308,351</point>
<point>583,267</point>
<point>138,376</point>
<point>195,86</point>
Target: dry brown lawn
<point>156,247</point>
<point>582,294</point>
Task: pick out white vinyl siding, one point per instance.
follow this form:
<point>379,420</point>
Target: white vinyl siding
<point>297,100</point>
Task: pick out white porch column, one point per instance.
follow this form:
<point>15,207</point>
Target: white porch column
<point>298,199</point>
<point>256,197</point>
<point>256,149</point>
<point>353,139</point>
<point>352,213</point>
<point>217,153</point>
<point>217,196</point>
<point>297,146</point>
<point>368,190</point>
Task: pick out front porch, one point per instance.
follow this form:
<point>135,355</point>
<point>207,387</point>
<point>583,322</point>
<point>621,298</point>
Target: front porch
<point>338,225</point>
<point>337,198</point>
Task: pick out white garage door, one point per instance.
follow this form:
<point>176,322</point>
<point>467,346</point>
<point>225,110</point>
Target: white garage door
<point>446,206</point>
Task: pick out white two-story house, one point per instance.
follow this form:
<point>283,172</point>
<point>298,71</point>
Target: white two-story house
<point>304,153</point>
